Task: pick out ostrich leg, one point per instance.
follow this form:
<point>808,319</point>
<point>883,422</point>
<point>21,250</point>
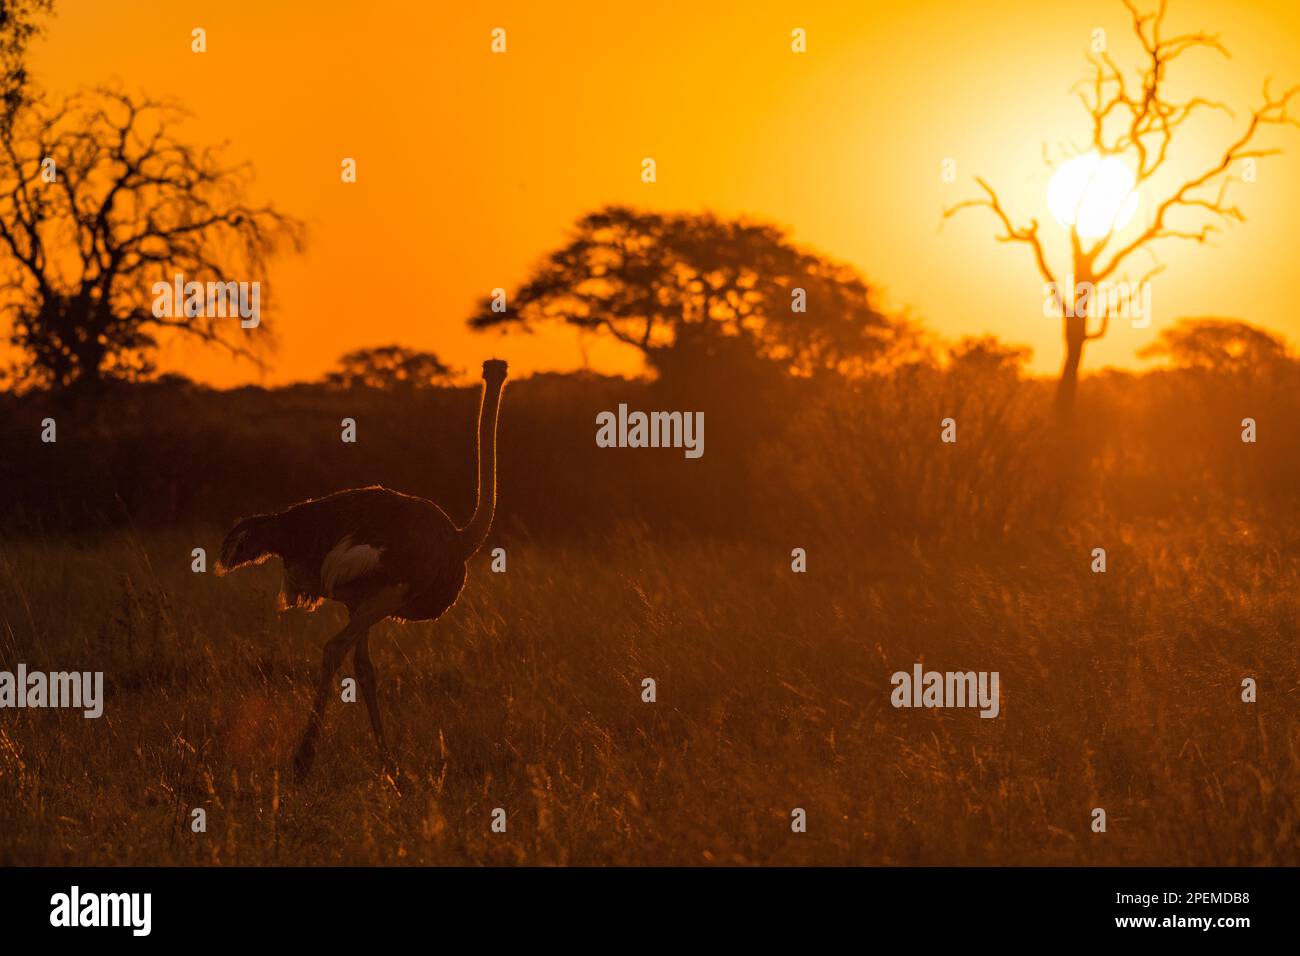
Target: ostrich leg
<point>365,672</point>
<point>336,648</point>
<point>369,613</point>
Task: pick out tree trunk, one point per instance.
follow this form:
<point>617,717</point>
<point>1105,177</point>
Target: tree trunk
<point>1076,330</point>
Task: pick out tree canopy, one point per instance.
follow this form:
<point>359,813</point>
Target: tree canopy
<point>1217,345</point>
<point>389,367</point>
<point>20,22</point>
<point>681,286</point>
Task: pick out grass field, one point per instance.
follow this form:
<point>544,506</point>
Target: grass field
<point>1119,691</point>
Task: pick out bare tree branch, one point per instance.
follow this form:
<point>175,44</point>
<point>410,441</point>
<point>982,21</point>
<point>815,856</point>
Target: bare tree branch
<point>1026,234</point>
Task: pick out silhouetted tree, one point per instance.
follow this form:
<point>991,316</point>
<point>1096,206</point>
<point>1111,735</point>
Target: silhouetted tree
<point>98,202</point>
<point>1218,345</point>
<point>682,287</point>
<point>19,24</point>
<point>389,367</point>
<point>987,355</point>
<point>1135,118</point>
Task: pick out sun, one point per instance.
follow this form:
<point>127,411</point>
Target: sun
<point>1095,195</point>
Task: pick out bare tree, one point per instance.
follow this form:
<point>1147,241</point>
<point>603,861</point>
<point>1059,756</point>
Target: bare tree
<point>1132,117</point>
<point>100,201</point>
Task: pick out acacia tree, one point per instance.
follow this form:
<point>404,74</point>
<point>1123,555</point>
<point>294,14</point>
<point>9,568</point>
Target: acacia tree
<point>100,200</point>
<point>389,367</point>
<point>1222,346</point>
<point>683,288</point>
<point>1131,116</point>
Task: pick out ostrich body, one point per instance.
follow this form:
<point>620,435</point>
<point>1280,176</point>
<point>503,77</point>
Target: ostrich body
<point>380,554</point>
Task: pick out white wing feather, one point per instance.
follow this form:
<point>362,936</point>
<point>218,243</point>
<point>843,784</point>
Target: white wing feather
<point>347,562</point>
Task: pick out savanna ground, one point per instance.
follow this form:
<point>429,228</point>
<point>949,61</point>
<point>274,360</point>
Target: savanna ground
<point>1119,690</point>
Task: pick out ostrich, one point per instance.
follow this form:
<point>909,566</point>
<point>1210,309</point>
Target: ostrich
<point>380,554</point>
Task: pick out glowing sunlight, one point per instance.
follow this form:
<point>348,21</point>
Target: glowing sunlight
<point>1092,194</point>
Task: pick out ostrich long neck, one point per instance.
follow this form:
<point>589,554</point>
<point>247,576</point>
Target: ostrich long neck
<point>475,533</point>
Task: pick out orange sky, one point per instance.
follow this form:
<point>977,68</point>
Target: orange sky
<point>473,165</point>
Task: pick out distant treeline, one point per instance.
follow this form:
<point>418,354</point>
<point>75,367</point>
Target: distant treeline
<point>795,460</point>
<point>172,453</point>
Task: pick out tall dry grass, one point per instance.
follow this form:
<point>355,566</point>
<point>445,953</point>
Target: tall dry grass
<point>1118,691</point>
